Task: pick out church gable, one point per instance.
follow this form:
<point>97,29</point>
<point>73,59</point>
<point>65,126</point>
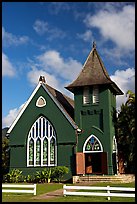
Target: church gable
<point>64,103</point>
<point>42,102</point>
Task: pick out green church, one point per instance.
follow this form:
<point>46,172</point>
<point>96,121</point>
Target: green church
<point>54,130</point>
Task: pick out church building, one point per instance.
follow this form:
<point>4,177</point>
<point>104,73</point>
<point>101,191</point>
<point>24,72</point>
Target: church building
<point>54,130</point>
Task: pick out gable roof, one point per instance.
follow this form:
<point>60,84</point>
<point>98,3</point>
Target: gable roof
<point>63,102</point>
<point>93,73</point>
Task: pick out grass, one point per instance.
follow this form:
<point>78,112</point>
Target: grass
<point>44,188</point>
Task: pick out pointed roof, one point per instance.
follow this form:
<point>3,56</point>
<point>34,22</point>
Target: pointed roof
<point>63,102</point>
<point>93,73</point>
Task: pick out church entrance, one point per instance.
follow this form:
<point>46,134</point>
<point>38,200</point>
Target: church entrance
<point>93,163</point>
<point>95,158</point>
<point>96,163</point>
<point>92,160</point>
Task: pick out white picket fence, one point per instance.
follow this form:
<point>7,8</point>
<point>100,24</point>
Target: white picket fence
<point>107,194</point>
<point>13,188</point>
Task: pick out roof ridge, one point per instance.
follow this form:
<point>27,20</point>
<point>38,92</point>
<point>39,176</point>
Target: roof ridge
<point>103,67</point>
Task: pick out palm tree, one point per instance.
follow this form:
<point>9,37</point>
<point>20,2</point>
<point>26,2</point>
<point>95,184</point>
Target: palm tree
<point>125,131</point>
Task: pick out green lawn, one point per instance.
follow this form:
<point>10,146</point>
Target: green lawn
<point>44,188</point>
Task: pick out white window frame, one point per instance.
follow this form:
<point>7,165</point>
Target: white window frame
<point>84,146</point>
<point>33,136</point>
<point>86,96</point>
<point>95,95</point>
<point>37,102</point>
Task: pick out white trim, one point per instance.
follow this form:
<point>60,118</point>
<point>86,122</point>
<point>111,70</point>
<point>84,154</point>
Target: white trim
<point>29,100</point>
<point>84,151</point>
<point>24,107</point>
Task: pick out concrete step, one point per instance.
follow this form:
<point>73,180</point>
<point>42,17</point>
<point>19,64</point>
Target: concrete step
<point>102,178</point>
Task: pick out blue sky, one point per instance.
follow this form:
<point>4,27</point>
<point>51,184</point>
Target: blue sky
<point>55,38</point>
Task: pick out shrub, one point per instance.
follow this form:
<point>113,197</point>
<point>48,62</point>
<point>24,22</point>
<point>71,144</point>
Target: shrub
<point>59,172</point>
<point>29,179</point>
<point>14,176</point>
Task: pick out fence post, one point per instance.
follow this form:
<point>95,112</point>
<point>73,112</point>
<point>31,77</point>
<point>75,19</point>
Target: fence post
<point>64,190</point>
<point>35,189</point>
<point>108,192</point>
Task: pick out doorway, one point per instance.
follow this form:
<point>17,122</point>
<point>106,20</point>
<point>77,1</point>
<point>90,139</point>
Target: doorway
<point>93,163</point>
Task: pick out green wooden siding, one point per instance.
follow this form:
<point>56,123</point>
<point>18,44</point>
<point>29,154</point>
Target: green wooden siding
<point>96,119</point>
<point>64,131</point>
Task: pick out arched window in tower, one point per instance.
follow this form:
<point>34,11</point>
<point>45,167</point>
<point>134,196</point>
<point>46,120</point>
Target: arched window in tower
<point>92,144</point>
<point>41,144</point>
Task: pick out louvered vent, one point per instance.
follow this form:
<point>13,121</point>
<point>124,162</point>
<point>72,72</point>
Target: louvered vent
<point>86,99</point>
<point>95,94</point>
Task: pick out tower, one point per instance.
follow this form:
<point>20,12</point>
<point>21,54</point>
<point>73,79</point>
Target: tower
<point>95,102</point>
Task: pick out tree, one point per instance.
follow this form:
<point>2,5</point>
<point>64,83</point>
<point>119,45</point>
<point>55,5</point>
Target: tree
<point>5,155</point>
<point>125,132</point>
<point>5,152</point>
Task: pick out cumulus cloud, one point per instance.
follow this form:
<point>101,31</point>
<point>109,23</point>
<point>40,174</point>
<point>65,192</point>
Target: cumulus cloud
<point>40,27</point>
<point>125,79</point>
<point>115,25</point>
<point>58,72</point>
<point>56,7</point>
<point>8,120</point>
<point>43,27</point>
<point>53,62</point>
<point>34,74</point>
<point>8,39</point>
<point>87,36</point>
<point>7,67</point>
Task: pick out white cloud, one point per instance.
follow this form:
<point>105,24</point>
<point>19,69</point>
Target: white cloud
<point>52,62</point>
<point>56,7</point>
<point>7,67</point>
<point>34,74</point>
<point>43,27</point>
<point>8,120</point>
<point>125,79</point>
<point>9,39</point>
<point>115,25</point>
<point>87,36</point>
<point>40,27</point>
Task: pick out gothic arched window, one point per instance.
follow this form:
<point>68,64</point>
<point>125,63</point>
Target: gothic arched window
<point>41,144</point>
<point>92,144</point>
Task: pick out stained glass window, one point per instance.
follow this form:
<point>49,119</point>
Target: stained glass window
<point>41,148</point>
<point>45,151</point>
<point>38,152</point>
<point>92,144</point>
<point>31,152</point>
<point>52,151</point>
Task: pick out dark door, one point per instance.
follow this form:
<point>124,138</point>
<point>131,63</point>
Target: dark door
<point>93,163</point>
<point>104,165</point>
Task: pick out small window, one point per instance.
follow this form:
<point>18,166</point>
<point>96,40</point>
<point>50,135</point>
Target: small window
<point>95,94</point>
<point>86,96</point>
<point>41,102</point>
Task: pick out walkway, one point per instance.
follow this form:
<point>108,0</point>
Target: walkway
<point>51,194</point>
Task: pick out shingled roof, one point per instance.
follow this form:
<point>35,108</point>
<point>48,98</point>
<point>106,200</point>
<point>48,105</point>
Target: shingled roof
<point>66,102</point>
<point>93,73</point>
